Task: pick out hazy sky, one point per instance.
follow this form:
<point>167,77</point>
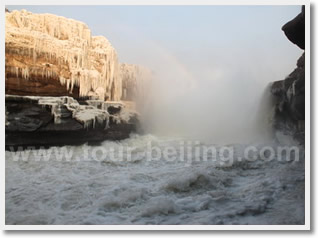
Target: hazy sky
<point>189,33</point>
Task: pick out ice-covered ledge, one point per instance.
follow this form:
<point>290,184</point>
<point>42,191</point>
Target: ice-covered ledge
<point>36,120</point>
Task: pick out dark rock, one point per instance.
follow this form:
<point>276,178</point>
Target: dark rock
<point>290,99</point>
<point>25,116</point>
<point>301,61</point>
<point>112,110</point>
<point>295,29</point>
<point>277,88</point>
<point>290,93</point>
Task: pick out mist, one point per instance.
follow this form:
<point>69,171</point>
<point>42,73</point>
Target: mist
<point>227,101</point>
<point>212,65</point>
<point>211,79</point>
<point>218,104</point>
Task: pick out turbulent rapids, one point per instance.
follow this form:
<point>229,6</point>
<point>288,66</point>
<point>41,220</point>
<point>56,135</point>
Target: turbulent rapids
<point>81,186</point>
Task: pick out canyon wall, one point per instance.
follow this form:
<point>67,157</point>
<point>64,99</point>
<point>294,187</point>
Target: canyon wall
<point>64,86</point>
<point>49,55</point>
<point>290,92</point>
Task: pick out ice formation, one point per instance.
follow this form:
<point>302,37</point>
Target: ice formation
<point>88,115</point>
<point>85,114</point>
<point>124,112</point>
<point>135,79</point>
<point>49,46</point>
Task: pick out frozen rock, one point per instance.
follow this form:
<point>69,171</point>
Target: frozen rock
<point>63,53</point>
<point>35,120</point>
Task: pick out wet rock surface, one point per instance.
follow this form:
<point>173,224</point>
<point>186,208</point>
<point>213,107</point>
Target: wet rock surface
<point>290,92</point>
<point>295,29</point>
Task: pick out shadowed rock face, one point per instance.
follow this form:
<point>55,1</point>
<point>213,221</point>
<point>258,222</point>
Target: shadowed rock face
<point>38,86</point>
<point>290,92</point>
<point>295,29</point>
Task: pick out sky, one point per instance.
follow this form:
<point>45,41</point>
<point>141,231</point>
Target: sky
<point>213,63</point>
<point>196,32</point>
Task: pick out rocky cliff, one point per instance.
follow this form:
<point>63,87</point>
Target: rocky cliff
<point>49,55</point>
<point>290,92</point>
<point>65,86</point>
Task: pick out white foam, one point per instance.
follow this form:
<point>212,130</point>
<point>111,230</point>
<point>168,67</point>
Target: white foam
<point>81,191</point>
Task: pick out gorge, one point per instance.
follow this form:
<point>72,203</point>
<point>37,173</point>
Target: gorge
<point>213,134</point>
<point>52,56</point>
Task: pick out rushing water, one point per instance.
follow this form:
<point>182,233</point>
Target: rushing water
<point>137,190</point>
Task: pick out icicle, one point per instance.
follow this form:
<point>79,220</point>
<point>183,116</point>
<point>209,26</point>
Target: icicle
<point>17,72</point>
<point>59,40</point>
<point>25,73</point>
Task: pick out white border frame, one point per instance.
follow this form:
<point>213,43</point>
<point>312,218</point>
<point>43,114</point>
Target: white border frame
<point>163,227</point>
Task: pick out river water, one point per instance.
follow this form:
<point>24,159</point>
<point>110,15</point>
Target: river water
<point>91,185</point>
